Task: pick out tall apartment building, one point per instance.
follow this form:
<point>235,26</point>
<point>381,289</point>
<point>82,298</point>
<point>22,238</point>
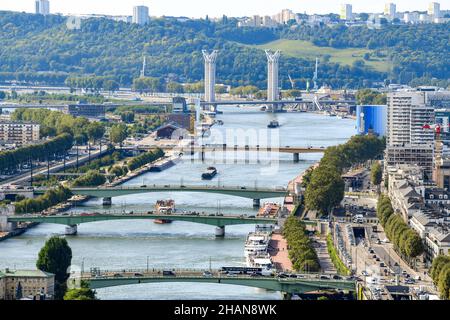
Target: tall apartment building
<point>410,137</point>
<point>434,10</point>
<point>390,10</point>
<point>42,7</point>
<point>141,15</point>
<point>346,12</point>
<point>19,132</point>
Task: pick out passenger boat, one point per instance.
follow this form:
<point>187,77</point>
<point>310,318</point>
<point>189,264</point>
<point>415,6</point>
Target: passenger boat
<point>209,173</point>
<point>164,207</point>
<point>273,124</point>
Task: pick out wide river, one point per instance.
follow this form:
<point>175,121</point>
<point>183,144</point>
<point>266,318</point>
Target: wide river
<point>131,244</point>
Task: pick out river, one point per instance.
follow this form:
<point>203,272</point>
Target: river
<point>130,244</point>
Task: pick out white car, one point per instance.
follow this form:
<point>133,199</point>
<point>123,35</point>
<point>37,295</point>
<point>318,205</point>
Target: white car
<point>365,273</point>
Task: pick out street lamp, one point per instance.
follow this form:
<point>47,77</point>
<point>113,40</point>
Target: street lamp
<point>147,263</point>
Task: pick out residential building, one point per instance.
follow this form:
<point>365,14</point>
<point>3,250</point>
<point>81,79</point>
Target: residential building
<point>410,137</point>
<point>434,10</point>
<point>346,12</point>
<point>26,284</point>
<point>19,133</point>
<point>390,10</point>
<point>141,15</point>
<point>42,7</point>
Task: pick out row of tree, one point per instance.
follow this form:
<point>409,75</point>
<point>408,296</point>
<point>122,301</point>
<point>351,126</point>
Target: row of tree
<point>10,160</point>
<point>301,252</point>
<point>144,159</point>
<point>406,241</point>
<point>440,273</point>
<point>47,200</point>
<point>370,97</point>
<point>324,185</point>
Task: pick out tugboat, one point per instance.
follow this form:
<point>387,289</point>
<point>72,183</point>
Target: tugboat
<point>209,173</point>
<point>164,207</point>
<point>273,124</point>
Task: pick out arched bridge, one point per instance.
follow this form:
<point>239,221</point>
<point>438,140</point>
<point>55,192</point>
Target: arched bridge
<point>306,283</point>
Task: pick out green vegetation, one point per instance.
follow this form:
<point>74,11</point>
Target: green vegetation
<point>324,186</point>
<point>144,159</point>
<point>118,133</point>
<point>342,56</point>
<point>355,57</point>
<point>406,241</point>
<point>43,97</point>
<point>56,147</point>
<point>47,200</point>
<point>370,97</point>
<point>376,174</point>
<point>81,294</point>
<point>107,160</point>
<point>90,179</point>
<point>337,262</point>
<point>440,273</point>
<point>55,257</point>
<point>302,254</point>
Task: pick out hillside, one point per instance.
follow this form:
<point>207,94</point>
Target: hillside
<point>41,49</point>
<point>344,56</point>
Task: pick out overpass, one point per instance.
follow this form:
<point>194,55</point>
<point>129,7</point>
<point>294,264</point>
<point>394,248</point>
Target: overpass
<point>72,221</point>
<point>288,285</point>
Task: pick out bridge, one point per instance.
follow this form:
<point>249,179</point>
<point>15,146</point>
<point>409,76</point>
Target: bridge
<point>109,192</point>
<point>300,284</point>
<point>73,220</point>
<point>295,151</point>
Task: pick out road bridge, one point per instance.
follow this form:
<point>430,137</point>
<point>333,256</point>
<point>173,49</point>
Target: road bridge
<point>73,220</point>
<point>288,285</point>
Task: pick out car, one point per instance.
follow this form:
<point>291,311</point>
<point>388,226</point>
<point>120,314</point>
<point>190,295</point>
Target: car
<point>207,274</point>
<point>374,256</point>
<point>324,277</point>
<point>137,274</point>
<point>336,277</point>
<point>118,275</point>
<point>377,259</point>
<point>382,265</point>
<point>144,186</point>
<point>168,273</point>
<point>231,275</point>
<point>371,251</point>
<point>365,273</point>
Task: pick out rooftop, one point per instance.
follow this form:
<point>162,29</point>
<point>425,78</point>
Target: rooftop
<point>25,273</point>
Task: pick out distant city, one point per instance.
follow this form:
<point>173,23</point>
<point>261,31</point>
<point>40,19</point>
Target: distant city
<point>346,15</point>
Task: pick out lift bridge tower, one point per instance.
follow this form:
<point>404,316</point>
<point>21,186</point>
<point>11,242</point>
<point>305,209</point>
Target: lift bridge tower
<point>273,90</point>
<point>210,74</point>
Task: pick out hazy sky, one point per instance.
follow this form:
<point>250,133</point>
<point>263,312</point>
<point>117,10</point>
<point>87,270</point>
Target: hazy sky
<point>215,8</point>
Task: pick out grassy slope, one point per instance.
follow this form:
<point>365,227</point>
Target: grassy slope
<point>305,49</point>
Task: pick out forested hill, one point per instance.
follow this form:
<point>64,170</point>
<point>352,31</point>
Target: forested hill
<point>42,49</point>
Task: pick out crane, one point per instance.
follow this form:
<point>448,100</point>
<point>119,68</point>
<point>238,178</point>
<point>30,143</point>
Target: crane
<point>316,74</point>
<point>292,82</point>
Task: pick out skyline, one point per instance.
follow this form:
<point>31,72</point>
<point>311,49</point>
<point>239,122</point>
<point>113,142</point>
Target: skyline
<point>201,8</point>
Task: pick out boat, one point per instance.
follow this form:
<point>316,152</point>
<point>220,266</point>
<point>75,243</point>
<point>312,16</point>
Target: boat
<point>263,108</point>
<point>209,173</point>
<point>164,207</point>
<point>273,124</point>
<point>257,243</point>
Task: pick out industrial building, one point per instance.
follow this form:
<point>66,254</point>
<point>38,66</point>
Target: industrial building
<point>86,110</point>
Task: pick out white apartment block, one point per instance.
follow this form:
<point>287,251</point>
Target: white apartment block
<point>19,133</point>
<point>42,7</point>
<point>141,15</point>
<point>410,136</point>
<point>434,10</point>
<point>346,12</point>
<point>390,10</point>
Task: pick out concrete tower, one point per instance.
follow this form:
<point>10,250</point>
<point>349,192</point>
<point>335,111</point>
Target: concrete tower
<point>210,74</point>
<point>273,92</point>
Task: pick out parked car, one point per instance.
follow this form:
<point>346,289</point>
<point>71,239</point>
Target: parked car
<point>168,273</point>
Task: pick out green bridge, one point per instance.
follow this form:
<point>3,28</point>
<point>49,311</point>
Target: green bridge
<point>288,286</point>
<point>109,192</point>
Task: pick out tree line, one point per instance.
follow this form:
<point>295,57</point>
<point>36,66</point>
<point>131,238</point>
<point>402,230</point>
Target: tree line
<point>144,159</point>
<point>41,203</point>
<point>301,252</point>
<point>58,146</point>
<point>440,273</point>
<point>406,241</point>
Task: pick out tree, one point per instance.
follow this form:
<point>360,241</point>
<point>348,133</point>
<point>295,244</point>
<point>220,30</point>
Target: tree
<point>118,133</point>
<point>376,175</point>
<point>56,257</point>
<point>83,293</point>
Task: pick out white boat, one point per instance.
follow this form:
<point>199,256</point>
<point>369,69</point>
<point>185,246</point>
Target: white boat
<point>257,243</point>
